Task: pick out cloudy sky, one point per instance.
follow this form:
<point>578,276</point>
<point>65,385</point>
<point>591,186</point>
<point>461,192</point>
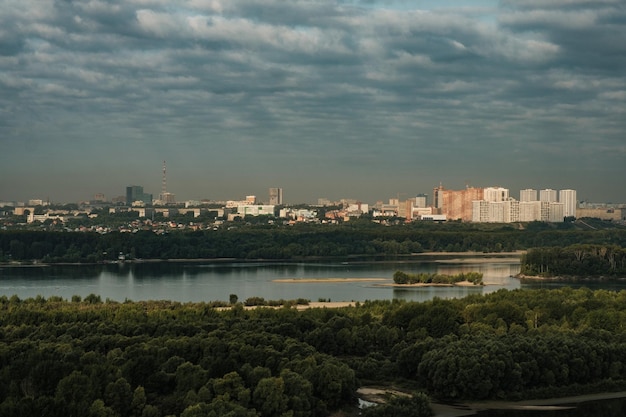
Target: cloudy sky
<point>324,98</point>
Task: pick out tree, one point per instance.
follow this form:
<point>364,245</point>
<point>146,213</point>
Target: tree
<point>269,397</point>
<point>118,396</point>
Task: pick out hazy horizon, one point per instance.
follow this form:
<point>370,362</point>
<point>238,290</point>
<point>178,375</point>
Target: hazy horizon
<point>325,99</point>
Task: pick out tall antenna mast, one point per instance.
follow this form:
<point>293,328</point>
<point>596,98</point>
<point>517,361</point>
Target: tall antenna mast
<point>164,186</point>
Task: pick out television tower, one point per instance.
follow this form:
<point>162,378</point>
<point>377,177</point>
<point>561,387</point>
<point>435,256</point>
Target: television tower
<point>165,197</point>
<point>164,185</point>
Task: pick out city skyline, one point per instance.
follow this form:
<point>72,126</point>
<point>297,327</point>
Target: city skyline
<point>344,99</point>
<point>274,196</point>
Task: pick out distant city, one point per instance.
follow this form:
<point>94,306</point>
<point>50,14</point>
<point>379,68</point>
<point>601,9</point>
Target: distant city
<point>471,204</point>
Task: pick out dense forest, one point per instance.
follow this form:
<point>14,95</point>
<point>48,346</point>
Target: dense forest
<point>86,357</point>
<point>297,242</point>
<point>579,261</point>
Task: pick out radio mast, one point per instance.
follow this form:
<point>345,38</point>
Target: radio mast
<point>164,185</point>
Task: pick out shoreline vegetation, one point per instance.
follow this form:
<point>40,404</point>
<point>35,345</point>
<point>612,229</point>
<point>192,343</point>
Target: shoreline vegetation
<point>443,257</point>
<point>403,278</point>
<point>578,261</point>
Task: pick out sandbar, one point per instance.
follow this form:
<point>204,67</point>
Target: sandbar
<point>318,280</point>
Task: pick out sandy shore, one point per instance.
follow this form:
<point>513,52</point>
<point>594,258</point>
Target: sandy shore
<point>379,395</point>
<point>324,304</point>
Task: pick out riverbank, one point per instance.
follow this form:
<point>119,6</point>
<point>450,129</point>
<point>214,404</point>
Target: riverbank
<point>570,278</point>
<point>450,257</point>
<point>472,408</point>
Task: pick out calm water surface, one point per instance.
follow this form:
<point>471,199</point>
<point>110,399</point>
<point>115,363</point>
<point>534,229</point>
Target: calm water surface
<point>196,282</point>
<point>212,282</point>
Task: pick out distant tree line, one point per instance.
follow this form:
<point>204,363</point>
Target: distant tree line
<point>581,260</point>
<point>86,357</point>
<point>292,243</point>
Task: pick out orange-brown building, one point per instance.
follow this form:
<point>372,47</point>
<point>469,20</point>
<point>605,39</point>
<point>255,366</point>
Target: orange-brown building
<point>457,205</point>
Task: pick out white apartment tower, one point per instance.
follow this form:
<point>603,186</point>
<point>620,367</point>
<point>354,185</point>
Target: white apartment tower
<point>529,211</point>
<point>528,195</point>
<point>495,194</point>
<point>548,195</point>
<point>568,198</point>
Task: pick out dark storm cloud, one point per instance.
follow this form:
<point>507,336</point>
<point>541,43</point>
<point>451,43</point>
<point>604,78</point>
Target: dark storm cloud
<point>353,86</point>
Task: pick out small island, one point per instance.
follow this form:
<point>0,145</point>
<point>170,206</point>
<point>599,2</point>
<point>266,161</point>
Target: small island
<point>424,278</point>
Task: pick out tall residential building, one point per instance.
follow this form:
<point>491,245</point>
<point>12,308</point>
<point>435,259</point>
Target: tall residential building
<point>507,211</point>
<point>496,194</point>
<point>480,211</point>
<point>528,195</point>
<point>568,198</point>
<point>135,193</point>
<point>421,200</point>
<point>458,205</point>
<point>276,196</point>
<point>529,211</point>
<point>548,195</point>
<point>438,196</point>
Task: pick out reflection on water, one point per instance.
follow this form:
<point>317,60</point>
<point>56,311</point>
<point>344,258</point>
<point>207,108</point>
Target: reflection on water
<point>193,281</point>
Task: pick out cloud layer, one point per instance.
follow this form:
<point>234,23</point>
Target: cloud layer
<point>344,98</point>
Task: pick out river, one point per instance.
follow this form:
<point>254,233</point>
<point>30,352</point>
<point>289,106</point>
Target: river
<point>205,281</point>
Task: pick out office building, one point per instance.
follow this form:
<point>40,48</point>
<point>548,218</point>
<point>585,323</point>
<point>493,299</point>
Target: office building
<point>134,193</point>
<point>421,201</point>
<point>276,196</point>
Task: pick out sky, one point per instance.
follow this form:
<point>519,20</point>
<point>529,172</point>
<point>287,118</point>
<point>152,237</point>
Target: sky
<point>368,100</point>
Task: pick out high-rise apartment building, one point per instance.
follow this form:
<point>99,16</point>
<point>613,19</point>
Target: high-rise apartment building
<point>529,211</point>
<point>276,196</point>
<point>438,196</point>
<point>457,205</point>
<point>507,211</point>
<point>495,194</point>
<point>421,200</point>
<point>568,198</point>
<point>528,195</point>
<point>548,195</point>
